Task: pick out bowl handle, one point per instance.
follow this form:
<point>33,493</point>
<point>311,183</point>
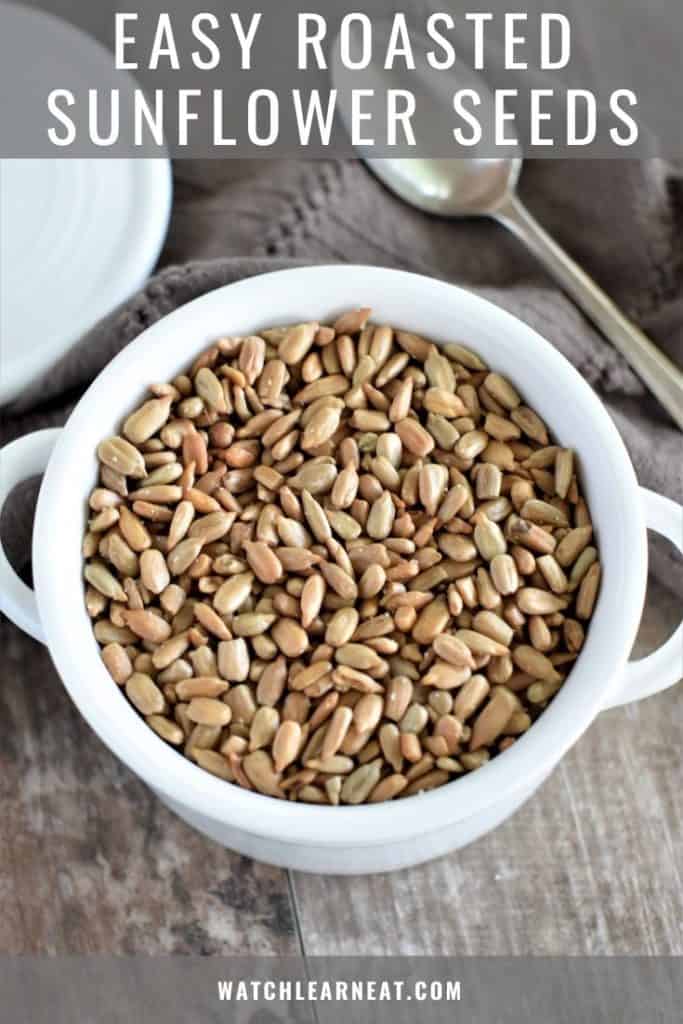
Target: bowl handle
<point>26,457</point>
<point>664,667</point>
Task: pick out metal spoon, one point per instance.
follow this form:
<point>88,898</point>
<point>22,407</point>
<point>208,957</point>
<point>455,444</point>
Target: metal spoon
<point>487,187</point>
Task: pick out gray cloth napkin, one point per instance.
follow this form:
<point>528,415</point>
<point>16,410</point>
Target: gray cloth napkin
<point>622,220</point>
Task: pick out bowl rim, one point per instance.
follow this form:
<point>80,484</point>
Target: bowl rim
<point>532,757</point>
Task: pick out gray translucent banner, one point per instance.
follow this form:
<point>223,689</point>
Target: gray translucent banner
<point>412,78</point>
<point>341,990</point>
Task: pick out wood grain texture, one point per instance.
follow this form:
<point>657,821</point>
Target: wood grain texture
<point>91,861</point>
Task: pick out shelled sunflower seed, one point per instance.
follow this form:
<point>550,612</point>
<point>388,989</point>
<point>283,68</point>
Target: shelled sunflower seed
<point>338,564</point>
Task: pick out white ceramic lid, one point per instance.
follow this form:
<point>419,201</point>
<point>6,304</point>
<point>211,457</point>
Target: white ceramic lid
<point>77,237</point>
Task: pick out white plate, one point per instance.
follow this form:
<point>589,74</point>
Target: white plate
<point>77,237</point>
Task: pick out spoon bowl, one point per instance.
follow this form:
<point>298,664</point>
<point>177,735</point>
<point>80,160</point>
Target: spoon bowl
<point>452,188</point>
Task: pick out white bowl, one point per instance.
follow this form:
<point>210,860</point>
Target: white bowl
<point>364,838</point>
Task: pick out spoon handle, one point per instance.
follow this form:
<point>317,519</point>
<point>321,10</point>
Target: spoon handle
<point>657,371</point>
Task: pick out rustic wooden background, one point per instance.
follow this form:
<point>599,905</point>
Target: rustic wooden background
<point>90,861</point>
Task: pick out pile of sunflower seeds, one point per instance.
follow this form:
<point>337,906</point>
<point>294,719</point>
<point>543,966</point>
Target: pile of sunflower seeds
<point>338,564</point>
